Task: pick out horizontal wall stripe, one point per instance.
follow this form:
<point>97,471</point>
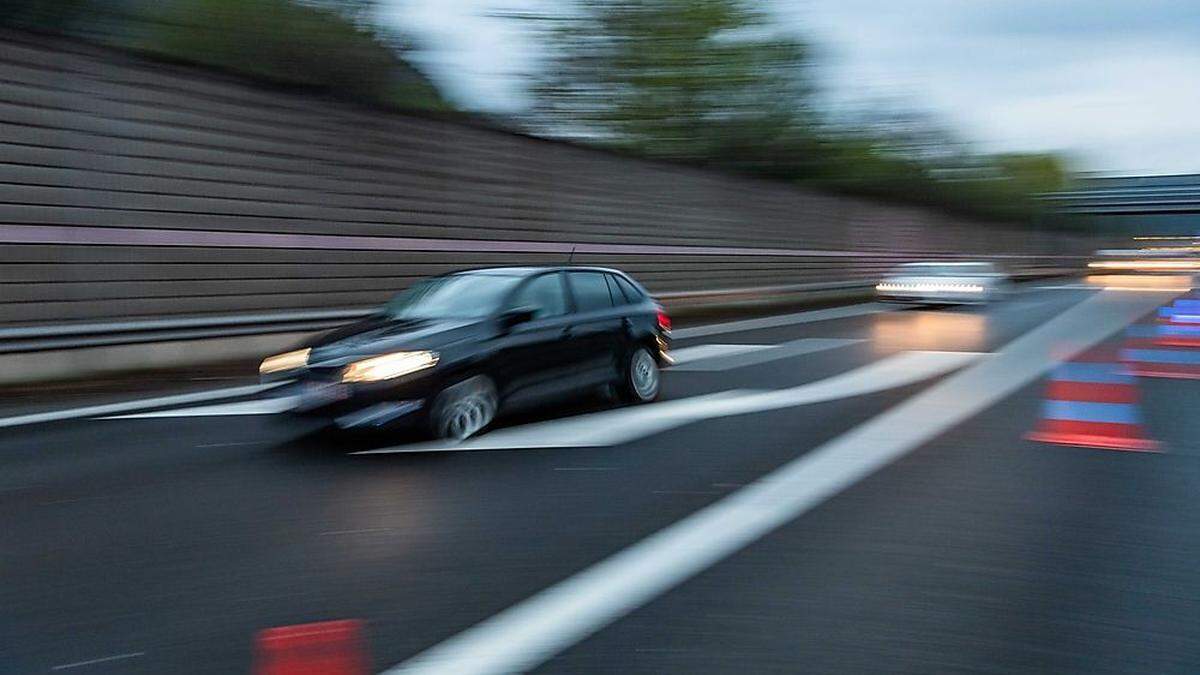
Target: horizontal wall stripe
<point>1080,411</point>
<point>137,236</point>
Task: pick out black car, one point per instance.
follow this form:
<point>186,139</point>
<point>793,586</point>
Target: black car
<point>451,352</point>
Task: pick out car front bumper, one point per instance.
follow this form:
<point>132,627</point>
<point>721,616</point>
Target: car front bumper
<point>934,298</point>
<point>363,406</point>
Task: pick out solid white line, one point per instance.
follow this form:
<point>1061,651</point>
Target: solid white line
<point>525,635</point>
<point>813,316</point>
<point>263,406</point>
<point>612,427</point>
<point>140,404</point>
<point>106,659</point>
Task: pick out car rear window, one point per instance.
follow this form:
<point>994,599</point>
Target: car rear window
<point>591,291</point>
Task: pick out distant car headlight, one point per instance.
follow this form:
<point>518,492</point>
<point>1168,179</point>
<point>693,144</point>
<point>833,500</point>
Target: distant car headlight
<point>389,366</point>
<point>934,288</point>
<point>284,362</point>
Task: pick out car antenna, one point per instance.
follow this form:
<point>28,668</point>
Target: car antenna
<point>571,258</point>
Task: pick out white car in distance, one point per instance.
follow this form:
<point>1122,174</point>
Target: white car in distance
<point>944,283</point>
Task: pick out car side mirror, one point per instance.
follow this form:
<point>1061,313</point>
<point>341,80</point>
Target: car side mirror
<point>517,316</point>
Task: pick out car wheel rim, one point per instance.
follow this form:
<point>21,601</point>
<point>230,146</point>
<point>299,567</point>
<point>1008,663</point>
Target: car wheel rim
<point>644,375</point>
<point>468,415</point>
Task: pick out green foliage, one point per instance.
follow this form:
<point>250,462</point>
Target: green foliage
<point>714,82</point>
<point>682,79</point>
<point>326,45</point>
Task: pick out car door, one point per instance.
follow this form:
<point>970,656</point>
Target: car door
<point>597,331</point>
<point>536,354</point>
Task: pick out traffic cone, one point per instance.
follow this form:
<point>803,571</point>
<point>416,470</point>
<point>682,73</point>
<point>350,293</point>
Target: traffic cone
<point>324,648</point>
<point>1169,348</point>
<point>1184,311</point>
<point>1094,404</point>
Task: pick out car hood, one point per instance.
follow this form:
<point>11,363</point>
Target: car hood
<point>380,335</point>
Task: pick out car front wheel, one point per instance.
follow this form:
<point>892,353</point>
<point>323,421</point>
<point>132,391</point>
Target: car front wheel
<point>642,378</point>
<point>464,409</point>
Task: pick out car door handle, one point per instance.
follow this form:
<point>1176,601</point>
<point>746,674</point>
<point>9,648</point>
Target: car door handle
<point>566,333</point>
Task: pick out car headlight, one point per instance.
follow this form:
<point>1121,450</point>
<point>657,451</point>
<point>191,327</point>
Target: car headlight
<point>389,366</point>
<point>283,362</point>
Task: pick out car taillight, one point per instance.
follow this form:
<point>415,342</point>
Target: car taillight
<point>664,321</point>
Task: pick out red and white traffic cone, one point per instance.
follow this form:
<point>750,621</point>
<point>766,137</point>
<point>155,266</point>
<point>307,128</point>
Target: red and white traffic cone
<point>324,648</point>
<point>1092,404</point>
<point>1169,348</point>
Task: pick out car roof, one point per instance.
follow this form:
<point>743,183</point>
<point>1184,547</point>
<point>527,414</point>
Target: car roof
<point>524,271</point>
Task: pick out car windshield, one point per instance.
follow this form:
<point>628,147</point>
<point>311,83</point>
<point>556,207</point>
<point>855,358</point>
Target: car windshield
<point>458,296</point>
<point>943,269</point>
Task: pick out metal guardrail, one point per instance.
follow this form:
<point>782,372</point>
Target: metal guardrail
<point>76,336</point>
<point>84,335</point>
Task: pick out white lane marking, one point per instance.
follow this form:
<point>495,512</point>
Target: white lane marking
<point>785,350</point>
<point>140,404</point>
<point>782,320</point>
<point>612,427</point>
<point>105,659</point>
<point>528,633</point>
<point>263,406</point>
<point>700,352</point>
<point>234,392</point>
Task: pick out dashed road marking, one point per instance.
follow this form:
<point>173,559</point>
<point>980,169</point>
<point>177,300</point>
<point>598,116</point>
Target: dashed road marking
<point>103,659</point>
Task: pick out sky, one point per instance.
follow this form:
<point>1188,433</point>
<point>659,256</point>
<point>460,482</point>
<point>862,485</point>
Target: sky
<point>1113,84</point>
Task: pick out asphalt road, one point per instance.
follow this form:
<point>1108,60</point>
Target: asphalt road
<point>852,494</point>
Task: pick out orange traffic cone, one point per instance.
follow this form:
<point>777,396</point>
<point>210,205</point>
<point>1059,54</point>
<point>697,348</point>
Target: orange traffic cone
<point>325,648</point>
<point>1092,404</point>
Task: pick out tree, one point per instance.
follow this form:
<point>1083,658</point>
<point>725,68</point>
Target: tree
<point>326,44</point>
<point>695,80</point>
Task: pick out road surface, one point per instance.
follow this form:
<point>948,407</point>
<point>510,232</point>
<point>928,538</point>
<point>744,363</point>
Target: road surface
<point>835,491</point>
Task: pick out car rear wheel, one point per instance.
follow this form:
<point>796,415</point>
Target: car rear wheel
<point>642,380</point>
<point>464,409</point>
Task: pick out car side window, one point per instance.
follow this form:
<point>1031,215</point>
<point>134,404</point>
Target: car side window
<point>631,293</point>
<point>545,295</point>
<point>614,291</point>
<point>591,291</point>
